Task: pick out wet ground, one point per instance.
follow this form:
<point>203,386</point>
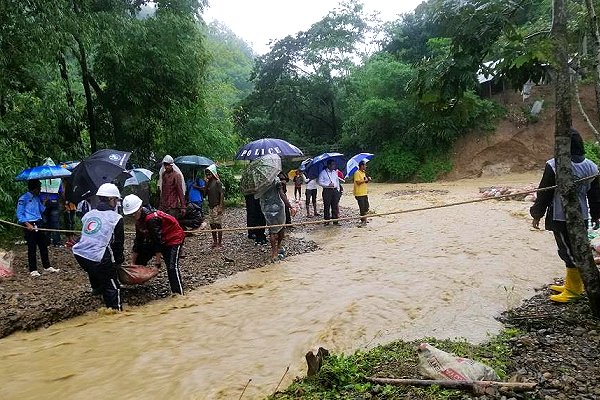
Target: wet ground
<point>445,273</point>
<point>30,303</point>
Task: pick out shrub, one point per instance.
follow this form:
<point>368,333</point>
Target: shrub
<point>433,167</point>
<point>231,184</point>
<point>592,151</point>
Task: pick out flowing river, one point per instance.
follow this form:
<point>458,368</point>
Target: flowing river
<point>443,273</point>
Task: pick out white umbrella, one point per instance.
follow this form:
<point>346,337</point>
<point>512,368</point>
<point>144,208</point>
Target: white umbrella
<point>138,175</point>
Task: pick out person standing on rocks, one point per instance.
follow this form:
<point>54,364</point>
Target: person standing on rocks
<point>216,204</point>
<point>298,181</point>
<point>172,188</point>
<point>328,179</point>
<point>361,179</point>
<point>549,202</point>
<point>273,202</point>
<point>311,196</point>
<point>29,214</point>
<point>157,234</point>
<point>100,250</point>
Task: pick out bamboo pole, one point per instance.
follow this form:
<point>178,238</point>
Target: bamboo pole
<point>449,384</point>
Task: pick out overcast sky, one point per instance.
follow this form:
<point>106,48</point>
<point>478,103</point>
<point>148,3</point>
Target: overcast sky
<point>258,21</point>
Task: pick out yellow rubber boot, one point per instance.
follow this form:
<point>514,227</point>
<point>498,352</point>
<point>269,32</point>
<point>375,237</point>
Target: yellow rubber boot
<point>572,289</point>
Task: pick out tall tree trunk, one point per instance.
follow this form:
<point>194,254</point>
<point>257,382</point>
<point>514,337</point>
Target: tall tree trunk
<point>595,45</point>
<point>564,174</point>
<point>73,134</point>
<point>89,102</point>
<point>115,113</point>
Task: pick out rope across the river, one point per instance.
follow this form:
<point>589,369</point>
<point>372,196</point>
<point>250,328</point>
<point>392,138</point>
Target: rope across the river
<point>322,221</point>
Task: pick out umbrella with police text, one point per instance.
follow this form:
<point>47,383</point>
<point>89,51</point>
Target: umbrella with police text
<point>261,147</point>
<point>260,173</point>
<point>103,166</point>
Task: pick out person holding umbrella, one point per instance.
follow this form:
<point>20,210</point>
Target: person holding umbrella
<point>329,180</point>
<point>361,179</point>
<point>29,214</point>
<point>273,203</point>
<point>100,250</point>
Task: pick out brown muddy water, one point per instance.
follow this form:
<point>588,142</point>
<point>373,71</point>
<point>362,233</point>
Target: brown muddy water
<point>443,273</point>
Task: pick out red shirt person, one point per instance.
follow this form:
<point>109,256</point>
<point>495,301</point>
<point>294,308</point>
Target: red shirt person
<point>156,234</point>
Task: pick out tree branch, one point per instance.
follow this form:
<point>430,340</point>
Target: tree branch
<point>582,111</point>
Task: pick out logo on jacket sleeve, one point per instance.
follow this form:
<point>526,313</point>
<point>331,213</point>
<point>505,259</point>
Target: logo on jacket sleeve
<point>92,225</point>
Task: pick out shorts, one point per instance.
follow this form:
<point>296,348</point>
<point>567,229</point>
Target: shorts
<point>213,216</point>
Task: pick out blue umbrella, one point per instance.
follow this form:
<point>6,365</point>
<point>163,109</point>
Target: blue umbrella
<point>319,163</point>
<point>69,165</point>
<point>352,165</point>
<point>193,161</point>
<point>262,147</point>
<point>304,164</point>
<point>42,172</point>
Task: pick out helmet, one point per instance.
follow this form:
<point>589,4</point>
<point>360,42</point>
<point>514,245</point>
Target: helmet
<point>108,190</point>
<point>168,159</point>
<point>131,203</point>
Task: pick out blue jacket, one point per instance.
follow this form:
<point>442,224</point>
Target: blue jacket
<point>29,208</point>
<point>195,195</point>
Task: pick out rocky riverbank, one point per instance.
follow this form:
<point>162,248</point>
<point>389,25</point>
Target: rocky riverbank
<point>34,302</point>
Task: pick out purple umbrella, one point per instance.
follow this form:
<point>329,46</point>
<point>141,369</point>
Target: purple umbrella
<point>261,147</point>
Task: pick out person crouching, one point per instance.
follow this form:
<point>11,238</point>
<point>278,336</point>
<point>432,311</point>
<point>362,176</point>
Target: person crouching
<point>156,234</point>
<point>100,250</point>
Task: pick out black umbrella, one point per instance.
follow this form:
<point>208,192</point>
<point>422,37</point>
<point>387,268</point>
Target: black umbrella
<point>103,166</point>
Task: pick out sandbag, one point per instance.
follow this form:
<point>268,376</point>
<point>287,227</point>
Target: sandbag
<point>437,364</point>
<point>6,258</point>
<point>136,274</point>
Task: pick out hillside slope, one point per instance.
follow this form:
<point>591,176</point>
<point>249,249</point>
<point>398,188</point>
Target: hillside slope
<point>518,144</point>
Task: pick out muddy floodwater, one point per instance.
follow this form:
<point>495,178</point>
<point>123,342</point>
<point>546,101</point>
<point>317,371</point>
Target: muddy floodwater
<point>443,273</point>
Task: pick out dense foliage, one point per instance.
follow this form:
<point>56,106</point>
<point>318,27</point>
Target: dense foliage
<point>153,78</point>
<point>147,77</point>
<point>407,102</point>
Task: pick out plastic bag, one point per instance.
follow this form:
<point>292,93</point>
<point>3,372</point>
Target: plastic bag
<point>136,274</point>
<point>6,258</point>
<point>437,364</point>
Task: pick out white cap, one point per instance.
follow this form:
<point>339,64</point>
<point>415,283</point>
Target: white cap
<point>108,190</point>
<point>131,203</point>
<point>168,160</point>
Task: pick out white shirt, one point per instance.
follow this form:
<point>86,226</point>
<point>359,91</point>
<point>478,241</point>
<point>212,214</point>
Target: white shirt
<point>312,184</point>
<point>327,177</point>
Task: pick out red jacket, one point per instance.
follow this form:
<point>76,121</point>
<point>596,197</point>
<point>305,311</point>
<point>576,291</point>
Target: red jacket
<point>171,233</point>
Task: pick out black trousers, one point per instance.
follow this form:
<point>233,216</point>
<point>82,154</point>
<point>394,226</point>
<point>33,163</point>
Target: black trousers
<point>171,256</point>
<point>297,192</point>
<point>565,250</point>
<point>103,274</point>
<point>255,217</point>
<point>288,215</point>
<point>363,205</point>
<point>36,240</point>
<point>311,194</point>
<point>331,199</point>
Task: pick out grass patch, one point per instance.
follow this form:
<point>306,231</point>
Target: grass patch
<point>342,376</point>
